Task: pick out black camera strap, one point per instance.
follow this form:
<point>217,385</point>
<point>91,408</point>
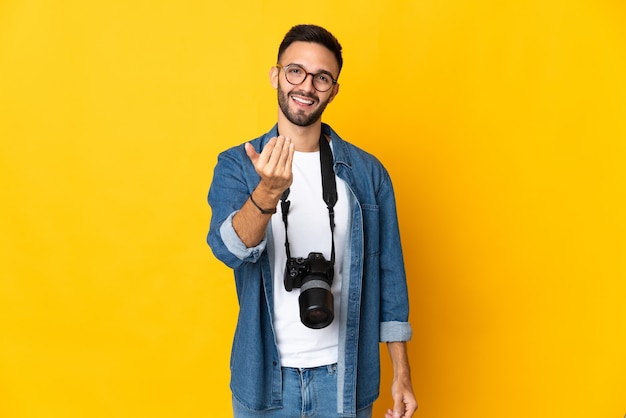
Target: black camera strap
<point>329,194</point>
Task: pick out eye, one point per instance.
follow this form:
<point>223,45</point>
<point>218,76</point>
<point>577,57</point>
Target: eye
<point>325,78</point>
<point>295,70</point>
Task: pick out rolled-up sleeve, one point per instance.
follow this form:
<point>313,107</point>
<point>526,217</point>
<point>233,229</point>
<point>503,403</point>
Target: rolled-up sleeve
<point>234,244</point>
<point>233,180</point>
<point>395,331</point>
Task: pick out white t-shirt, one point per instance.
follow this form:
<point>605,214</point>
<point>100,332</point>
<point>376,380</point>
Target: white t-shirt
<point>309,231</point>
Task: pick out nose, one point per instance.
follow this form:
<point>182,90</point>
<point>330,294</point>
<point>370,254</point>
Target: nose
<point>307,83</point>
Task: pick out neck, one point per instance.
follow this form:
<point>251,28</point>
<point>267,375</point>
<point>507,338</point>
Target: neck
<point>305,138</point>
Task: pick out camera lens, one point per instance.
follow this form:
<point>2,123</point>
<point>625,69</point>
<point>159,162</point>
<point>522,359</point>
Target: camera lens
<point>316,305</point>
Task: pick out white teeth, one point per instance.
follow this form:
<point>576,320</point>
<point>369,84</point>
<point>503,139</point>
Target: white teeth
<point>299,100</point>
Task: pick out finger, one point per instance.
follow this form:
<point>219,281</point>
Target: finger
<point>267,151</point>
<point>276,151</point>
<point>286,156</point>
<point>411,408</point>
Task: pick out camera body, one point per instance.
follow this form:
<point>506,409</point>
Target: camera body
<point>314,276</point>
<point>299,270</point>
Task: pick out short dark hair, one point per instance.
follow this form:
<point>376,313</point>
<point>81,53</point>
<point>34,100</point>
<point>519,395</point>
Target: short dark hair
<point>315,34</point>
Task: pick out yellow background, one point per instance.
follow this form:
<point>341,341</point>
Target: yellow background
<point>502,123</point>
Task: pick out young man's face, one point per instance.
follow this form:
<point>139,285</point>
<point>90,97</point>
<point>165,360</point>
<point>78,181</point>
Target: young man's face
<point>302,104</point>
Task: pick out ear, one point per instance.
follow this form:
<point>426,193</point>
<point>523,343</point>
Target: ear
<point>335,92</point>
<point>274,72</point>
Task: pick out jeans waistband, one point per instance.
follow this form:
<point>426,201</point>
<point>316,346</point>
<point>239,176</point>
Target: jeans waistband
<point>328,367</point>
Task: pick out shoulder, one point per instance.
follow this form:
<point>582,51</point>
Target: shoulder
<point>351,155</point>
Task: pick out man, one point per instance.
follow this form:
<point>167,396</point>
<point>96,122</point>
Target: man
<point>312,236</point>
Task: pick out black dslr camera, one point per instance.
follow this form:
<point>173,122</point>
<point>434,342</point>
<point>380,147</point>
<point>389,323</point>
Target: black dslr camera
<point>314,276</point>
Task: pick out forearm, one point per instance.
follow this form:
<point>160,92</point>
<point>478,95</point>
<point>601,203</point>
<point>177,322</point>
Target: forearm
<point>400,361</point>
<point>250,223</point>
<point>404,403</point>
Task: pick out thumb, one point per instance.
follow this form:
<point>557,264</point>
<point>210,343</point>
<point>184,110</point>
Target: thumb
<point>398,408</point>
<point>251,152</point>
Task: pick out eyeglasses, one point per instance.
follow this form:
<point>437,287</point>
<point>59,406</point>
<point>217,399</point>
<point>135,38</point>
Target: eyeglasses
<point>295,74</point>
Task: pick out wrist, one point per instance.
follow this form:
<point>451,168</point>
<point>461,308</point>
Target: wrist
<point>266,194</point>
<point>264,211</point>
<point>265,202</point>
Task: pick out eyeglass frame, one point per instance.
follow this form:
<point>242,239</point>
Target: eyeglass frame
<point>283,67</point>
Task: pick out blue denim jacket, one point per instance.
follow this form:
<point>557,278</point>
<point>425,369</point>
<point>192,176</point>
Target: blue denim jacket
<point>374,299</point>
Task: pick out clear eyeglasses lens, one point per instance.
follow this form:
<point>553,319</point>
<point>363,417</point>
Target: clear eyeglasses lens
<point>296,75</point>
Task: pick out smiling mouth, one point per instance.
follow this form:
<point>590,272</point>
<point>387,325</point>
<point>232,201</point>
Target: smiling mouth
<point>302,100</point>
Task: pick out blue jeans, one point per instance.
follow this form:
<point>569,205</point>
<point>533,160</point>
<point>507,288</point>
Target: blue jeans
<point>307,393</point>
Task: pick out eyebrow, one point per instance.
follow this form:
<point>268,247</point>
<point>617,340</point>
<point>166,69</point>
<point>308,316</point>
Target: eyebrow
<point>318,72</point>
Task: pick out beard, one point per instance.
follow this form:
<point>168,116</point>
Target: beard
<point>299,118</point>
